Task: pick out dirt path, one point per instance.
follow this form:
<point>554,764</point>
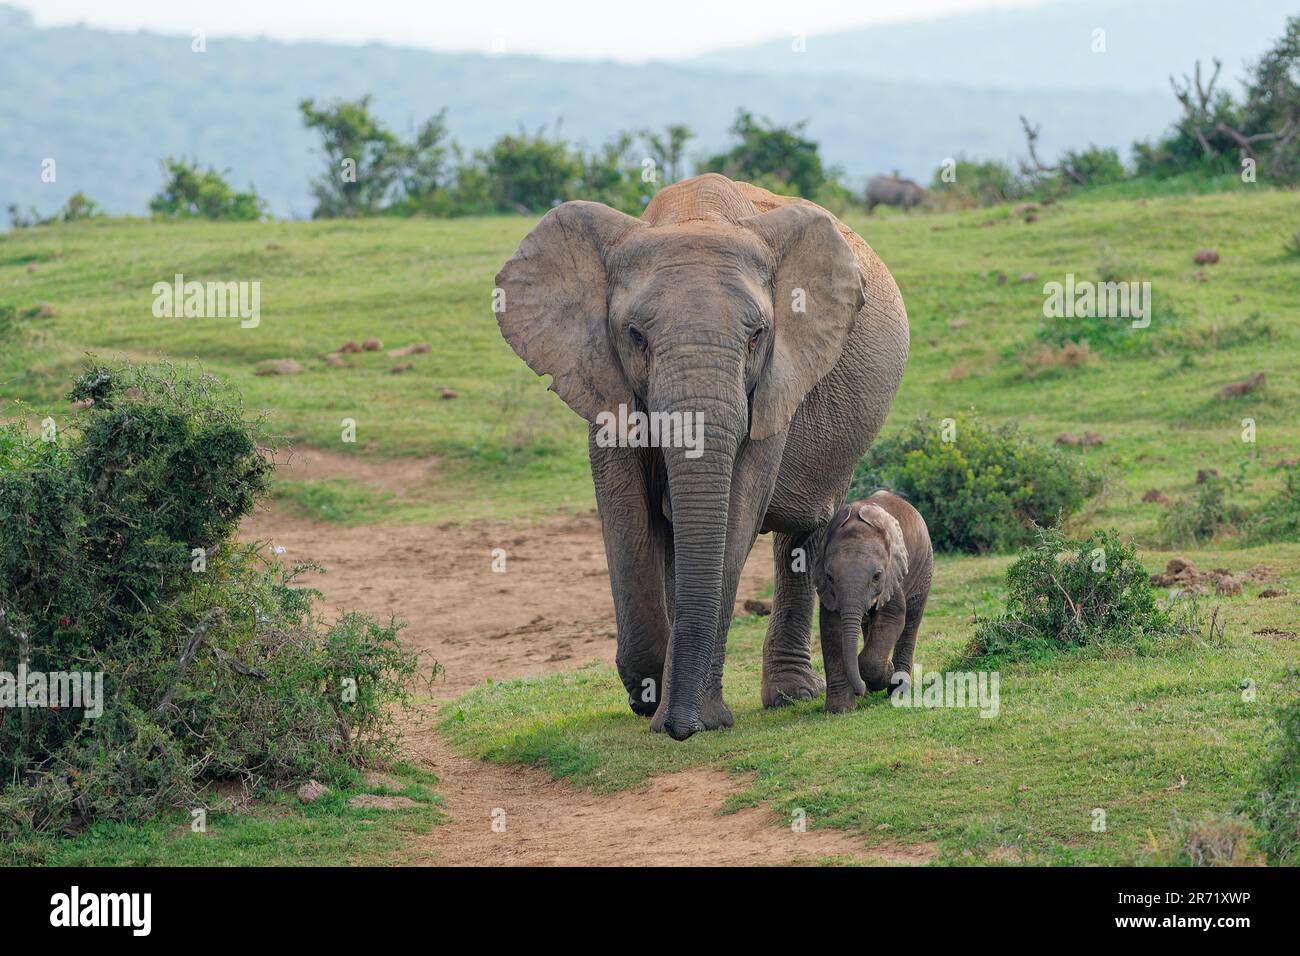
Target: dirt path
<point>550,610</point>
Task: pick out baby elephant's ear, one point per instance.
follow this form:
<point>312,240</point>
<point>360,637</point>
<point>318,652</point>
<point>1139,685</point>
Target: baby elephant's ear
<point>888,525</point>
<point>825,595</point>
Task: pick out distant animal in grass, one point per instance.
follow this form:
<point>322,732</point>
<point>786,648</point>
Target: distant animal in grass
<point>893,191</point>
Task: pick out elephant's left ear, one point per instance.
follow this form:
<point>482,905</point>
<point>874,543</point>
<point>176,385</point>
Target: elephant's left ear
<point>818,295</point>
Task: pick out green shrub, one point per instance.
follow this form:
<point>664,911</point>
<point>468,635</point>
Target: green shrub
<point>1066,594</point>
<point>1098,333</point>
<point>985,183</point>
<point>190,192</point>
<point>984,490</point>
<point>78,207</point>
<point>530,173</point>
<point>1095,165</point>
<point>1203,515</point>
<point>1207,141</point>
<point>780,158</point>
<point>1278,518</point>
<point>1275,803</point>
<point>118,557</point>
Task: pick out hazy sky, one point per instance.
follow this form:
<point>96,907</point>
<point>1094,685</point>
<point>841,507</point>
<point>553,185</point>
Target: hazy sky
<point>628,30</point>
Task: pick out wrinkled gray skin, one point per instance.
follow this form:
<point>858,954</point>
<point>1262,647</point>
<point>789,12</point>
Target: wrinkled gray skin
<point>873,576</point>
<point>780,326</point>
<point>891,191</point>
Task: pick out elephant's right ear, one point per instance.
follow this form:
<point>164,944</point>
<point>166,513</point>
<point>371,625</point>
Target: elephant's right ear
<point>551,301</point>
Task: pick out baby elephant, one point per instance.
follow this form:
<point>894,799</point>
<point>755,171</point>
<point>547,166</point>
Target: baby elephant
<point>874,576</point>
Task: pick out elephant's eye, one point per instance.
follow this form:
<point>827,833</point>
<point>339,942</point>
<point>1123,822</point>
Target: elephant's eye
<point>755,339</point>
<point>877,576</point>
<point>637,338</point>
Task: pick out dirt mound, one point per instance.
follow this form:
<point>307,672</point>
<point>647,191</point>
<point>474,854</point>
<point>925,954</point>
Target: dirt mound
<point>1182,574</point>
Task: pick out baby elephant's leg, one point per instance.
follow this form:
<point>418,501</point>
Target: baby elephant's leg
<point>839,692</point>
<point>876,663</point>
<point>906,647</point>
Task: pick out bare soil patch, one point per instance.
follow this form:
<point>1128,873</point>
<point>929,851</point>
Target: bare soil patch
<point>550,610</point>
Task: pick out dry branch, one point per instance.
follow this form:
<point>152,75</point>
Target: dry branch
<point>1031,140</point>
<point>199,635</point>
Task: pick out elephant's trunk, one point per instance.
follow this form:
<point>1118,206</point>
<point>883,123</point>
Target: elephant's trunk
<point>850,630</point>
<point>879,670</point>
<point>699,488</point>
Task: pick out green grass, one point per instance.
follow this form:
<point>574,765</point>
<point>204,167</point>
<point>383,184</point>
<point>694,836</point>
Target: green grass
<point>1188,184</point>
<point>1080,731</point>
<point>1139,735</point>
<point>278,830</point>
<point>339,500</point>
<point>505,436</point>
<point>322,284</point>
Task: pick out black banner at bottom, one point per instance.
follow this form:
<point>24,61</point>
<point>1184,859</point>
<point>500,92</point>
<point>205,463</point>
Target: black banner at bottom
<point>336,905</point>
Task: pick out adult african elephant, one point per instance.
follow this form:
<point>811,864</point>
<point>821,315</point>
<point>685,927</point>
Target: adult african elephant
<point>776,324</point>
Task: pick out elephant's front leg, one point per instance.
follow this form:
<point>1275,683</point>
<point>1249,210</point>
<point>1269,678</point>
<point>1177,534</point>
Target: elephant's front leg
<point>752,481</point>
<point>636,539</point>
<point>884,627</point>
<point>787,650</point>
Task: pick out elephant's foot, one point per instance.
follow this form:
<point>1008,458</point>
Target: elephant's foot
<point>714,715</point>
<point>783,687</point>
<point>643,698</point>
<point>643,689</point>
<point>640,707</point>
<point>657,721</point>
<point>841,702</point>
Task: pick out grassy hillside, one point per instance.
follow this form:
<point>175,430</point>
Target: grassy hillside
<point>407,282</point>
<point>1141,735</point>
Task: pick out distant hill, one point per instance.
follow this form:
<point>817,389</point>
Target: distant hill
<point>107,106</point>
<point>1040,47</point>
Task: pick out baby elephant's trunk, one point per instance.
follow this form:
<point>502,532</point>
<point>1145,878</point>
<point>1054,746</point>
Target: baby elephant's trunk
<point>850,629</point>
